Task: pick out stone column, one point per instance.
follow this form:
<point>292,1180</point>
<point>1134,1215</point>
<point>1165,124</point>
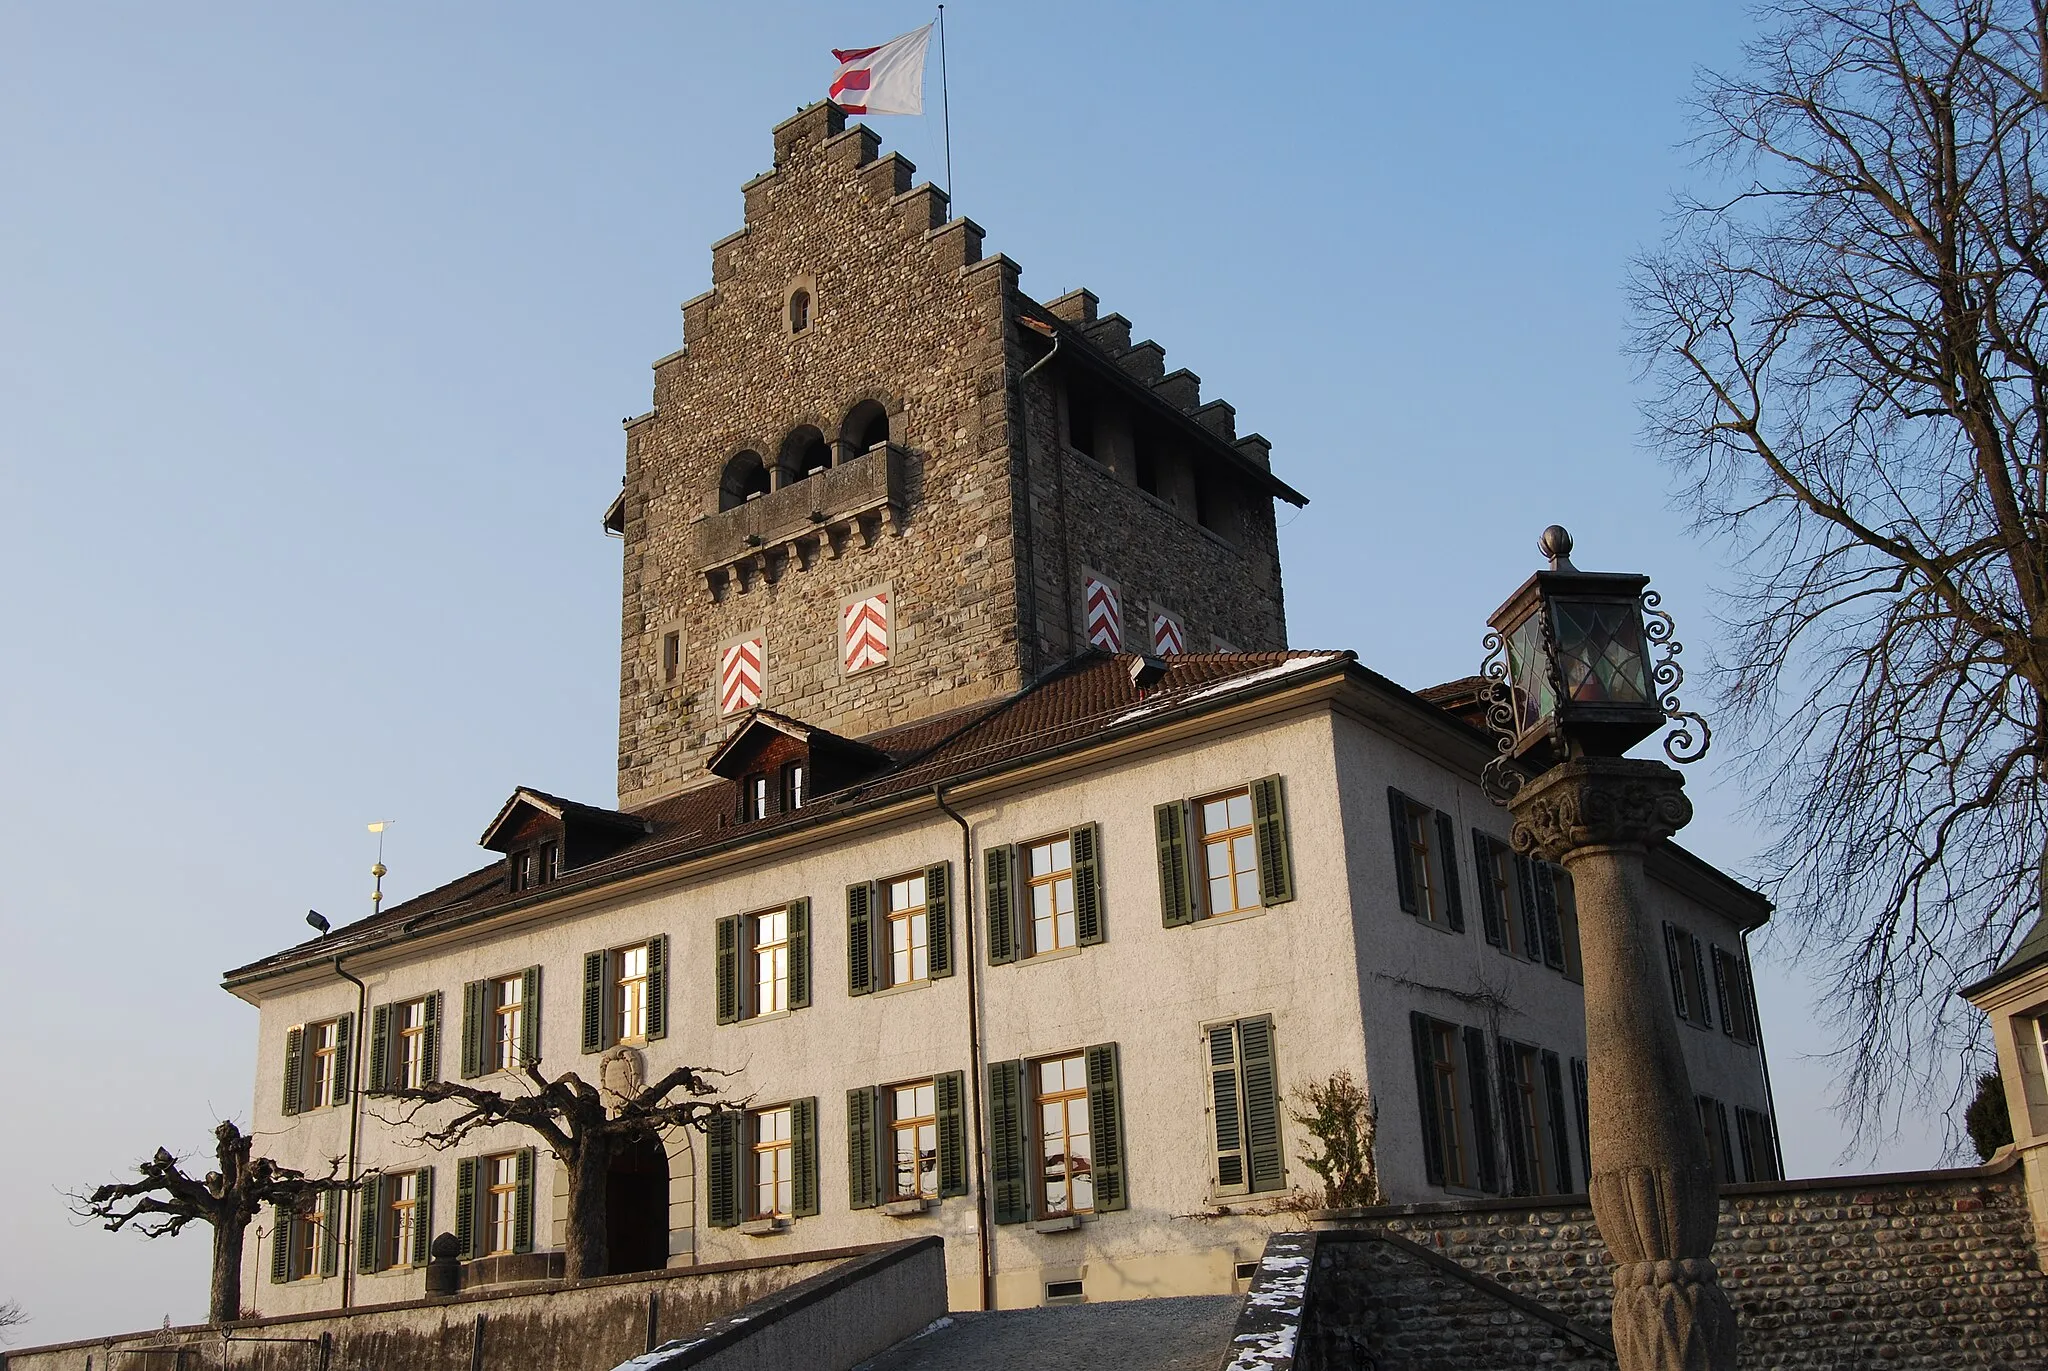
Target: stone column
<point>1655,1196</point>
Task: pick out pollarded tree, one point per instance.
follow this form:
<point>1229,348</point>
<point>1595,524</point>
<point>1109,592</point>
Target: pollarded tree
<point>584,1131</point>
<point>1850,350</point>
<point>165,1199</point>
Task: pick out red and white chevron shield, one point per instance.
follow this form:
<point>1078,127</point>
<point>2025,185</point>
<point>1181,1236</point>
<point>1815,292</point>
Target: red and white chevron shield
<point>739,677</point>
<point>1167,638</point>
<point>1105,615</point>
<point>864,633</point>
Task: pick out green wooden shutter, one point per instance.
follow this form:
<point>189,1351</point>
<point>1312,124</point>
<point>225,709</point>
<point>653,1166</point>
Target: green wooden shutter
<point>370,1202</point>
<point>1085,842</point>
<point>998,881</point>
<point>1525,888</point>
<point>1699,977</point>
<point>1447,862</point>
<point>380,1046</point>
<point>1720,960</point>
<point>294,1069</point>
<point>522,1202</point>
<point>1580,1113</point>
<point>465,1206</point>
<point>475,1009</point>
<point>938,916</point>
<point>860,939</point>
<point>1106,1127</point>
<point>529,1016</point>
<point>721,1172</point>
<point>1746,1140</point>
<point>1008,1182</point>
<point>799,917</point>
<point>1486,1153</point>
<point>593,1001</point>
<point>950,1092</point>
<point>803,1157</point>
<point>423,1216</point>
<point>330,1233</point>
<point>1423,1041</point>
<point>1485,868</point>
<point>1546,915</point>
<point>280,1244</point>
<point>863,1138</point>
<point>1226,1111</point>
<point>344,1047</point>
<point>1176,882</point>
<point>726,942</point>
<point>657,987</point>
<point>1269,827</point>
<point>1404,860</point>
<point>1560,1131</point>
<point>1512,1123</point>
<point>1727,1154</point>
<point>1261,1104</point>
<point>430,1042</point>
<point>1677,970</point>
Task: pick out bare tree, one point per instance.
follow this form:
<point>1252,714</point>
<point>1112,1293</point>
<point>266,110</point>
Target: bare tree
<point>1852,379</point>
<point>165,1199</point>
<point>10,1317</point>
<point>580,1128</point>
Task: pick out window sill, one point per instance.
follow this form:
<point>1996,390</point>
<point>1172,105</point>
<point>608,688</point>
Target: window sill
<point>1234,916</point>
<point>1064,1223</point>
<point>763,1228</point>
<point>1436,926</point>
<point>761,1018</point>
<point>909,1209</point>
<point>924,984</point>
<point>1058,955</point>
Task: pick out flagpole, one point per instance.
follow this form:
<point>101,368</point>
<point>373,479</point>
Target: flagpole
<point>946,107</point>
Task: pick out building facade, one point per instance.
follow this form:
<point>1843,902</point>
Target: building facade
<point>975,821</point>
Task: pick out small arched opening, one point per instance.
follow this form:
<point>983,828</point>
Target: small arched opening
<point>745,478</point>
<point>799,310</point>
<point>636,1208</point>
<point>804,454</point>
<point>866,427</point>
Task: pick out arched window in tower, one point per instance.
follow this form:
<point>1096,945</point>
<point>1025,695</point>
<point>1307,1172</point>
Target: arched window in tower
<point>866,427</point>
<point>745,478</point>
<point>799,310</point>
<point>804,454</point>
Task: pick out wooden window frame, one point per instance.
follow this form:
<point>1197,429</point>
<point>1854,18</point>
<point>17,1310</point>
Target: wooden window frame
<point>752,947</point>
<point>916,1124</point>
<point>396,1237</point>
<point>302,1238</point>
<point>909,918</point>
<point>500,1203</point>
<point>1534,1118</point>
<point>624,1004</point>
<point>324,1053</point>
<point>1067,1096</point>
<point>781,1152</point>
<point>1453,1101</point>
<point>508,1021</point>
<point>409,1043</point>
<point>1228,837</point>
<point>793,781</point>
<point>1028,923</point>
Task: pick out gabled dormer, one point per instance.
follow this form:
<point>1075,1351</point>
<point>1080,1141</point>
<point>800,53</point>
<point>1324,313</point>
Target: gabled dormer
<point>544,836</point>
<point>778,763</point>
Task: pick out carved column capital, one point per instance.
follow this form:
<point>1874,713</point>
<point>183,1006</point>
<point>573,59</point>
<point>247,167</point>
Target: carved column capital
<point>1598,802</point>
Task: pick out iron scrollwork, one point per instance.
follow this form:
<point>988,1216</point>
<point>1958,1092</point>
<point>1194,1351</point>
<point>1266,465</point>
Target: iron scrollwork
<point>1501,778</point>
<point>1681,744</point>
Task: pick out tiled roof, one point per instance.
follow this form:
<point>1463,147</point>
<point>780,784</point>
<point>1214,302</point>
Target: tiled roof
<point>1083,700</point>
<point>2031,952</point>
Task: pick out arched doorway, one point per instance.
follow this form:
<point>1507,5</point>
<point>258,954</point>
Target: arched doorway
<point>636,1208</point>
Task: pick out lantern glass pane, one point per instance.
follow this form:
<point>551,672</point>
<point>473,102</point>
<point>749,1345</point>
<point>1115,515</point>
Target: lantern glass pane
<point>1600,652</point>
<point>1533,698</point>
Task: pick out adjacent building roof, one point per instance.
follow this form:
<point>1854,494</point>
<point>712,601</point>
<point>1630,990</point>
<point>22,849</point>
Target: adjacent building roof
<point>2032,952</point>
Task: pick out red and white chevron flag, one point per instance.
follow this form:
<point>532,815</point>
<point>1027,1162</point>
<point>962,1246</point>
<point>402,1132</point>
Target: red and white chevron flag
<point>739,677</point>
<point>882,80</point>
<point>1105,615</point>
<point>1167,638</point>
<point>864,633</point>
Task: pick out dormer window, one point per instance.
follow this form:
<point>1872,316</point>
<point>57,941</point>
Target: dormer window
<point>754,797</point>
<point>792,785</point>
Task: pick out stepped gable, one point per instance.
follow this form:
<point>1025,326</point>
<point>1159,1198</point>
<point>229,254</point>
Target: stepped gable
<point>1089,699</point>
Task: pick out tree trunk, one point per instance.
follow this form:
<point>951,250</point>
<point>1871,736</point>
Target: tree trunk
<point>224,1294</point>
<point>587,1244</point>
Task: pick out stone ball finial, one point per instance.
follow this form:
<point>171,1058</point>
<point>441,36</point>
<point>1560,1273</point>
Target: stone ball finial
<point>446,1247</point>
<point>1555,542</point>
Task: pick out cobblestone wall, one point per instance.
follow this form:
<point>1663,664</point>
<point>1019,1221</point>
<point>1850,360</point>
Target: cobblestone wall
<point>1927,1269</point>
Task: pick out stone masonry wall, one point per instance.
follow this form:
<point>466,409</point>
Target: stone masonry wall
<point>1928,1269</point>
<point>904,312</point>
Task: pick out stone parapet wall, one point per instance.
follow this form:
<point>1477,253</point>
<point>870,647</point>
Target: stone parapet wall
<point>589,1326</point>
<point>1924,1269</point>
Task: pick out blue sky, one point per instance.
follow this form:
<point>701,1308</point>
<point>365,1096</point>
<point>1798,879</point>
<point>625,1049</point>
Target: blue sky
<point>317,324</point>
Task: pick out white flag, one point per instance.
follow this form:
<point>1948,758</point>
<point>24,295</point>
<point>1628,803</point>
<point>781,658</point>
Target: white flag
<point>884,80</point>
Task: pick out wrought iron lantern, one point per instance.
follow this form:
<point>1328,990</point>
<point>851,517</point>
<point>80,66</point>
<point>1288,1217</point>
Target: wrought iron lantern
<point>1569,659</point>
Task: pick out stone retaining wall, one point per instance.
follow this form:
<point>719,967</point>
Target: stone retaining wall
<point>590,1326</point>
<point>1924,1269</point>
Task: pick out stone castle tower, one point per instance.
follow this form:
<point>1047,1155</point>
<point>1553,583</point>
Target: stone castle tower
<point>879,483</point>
